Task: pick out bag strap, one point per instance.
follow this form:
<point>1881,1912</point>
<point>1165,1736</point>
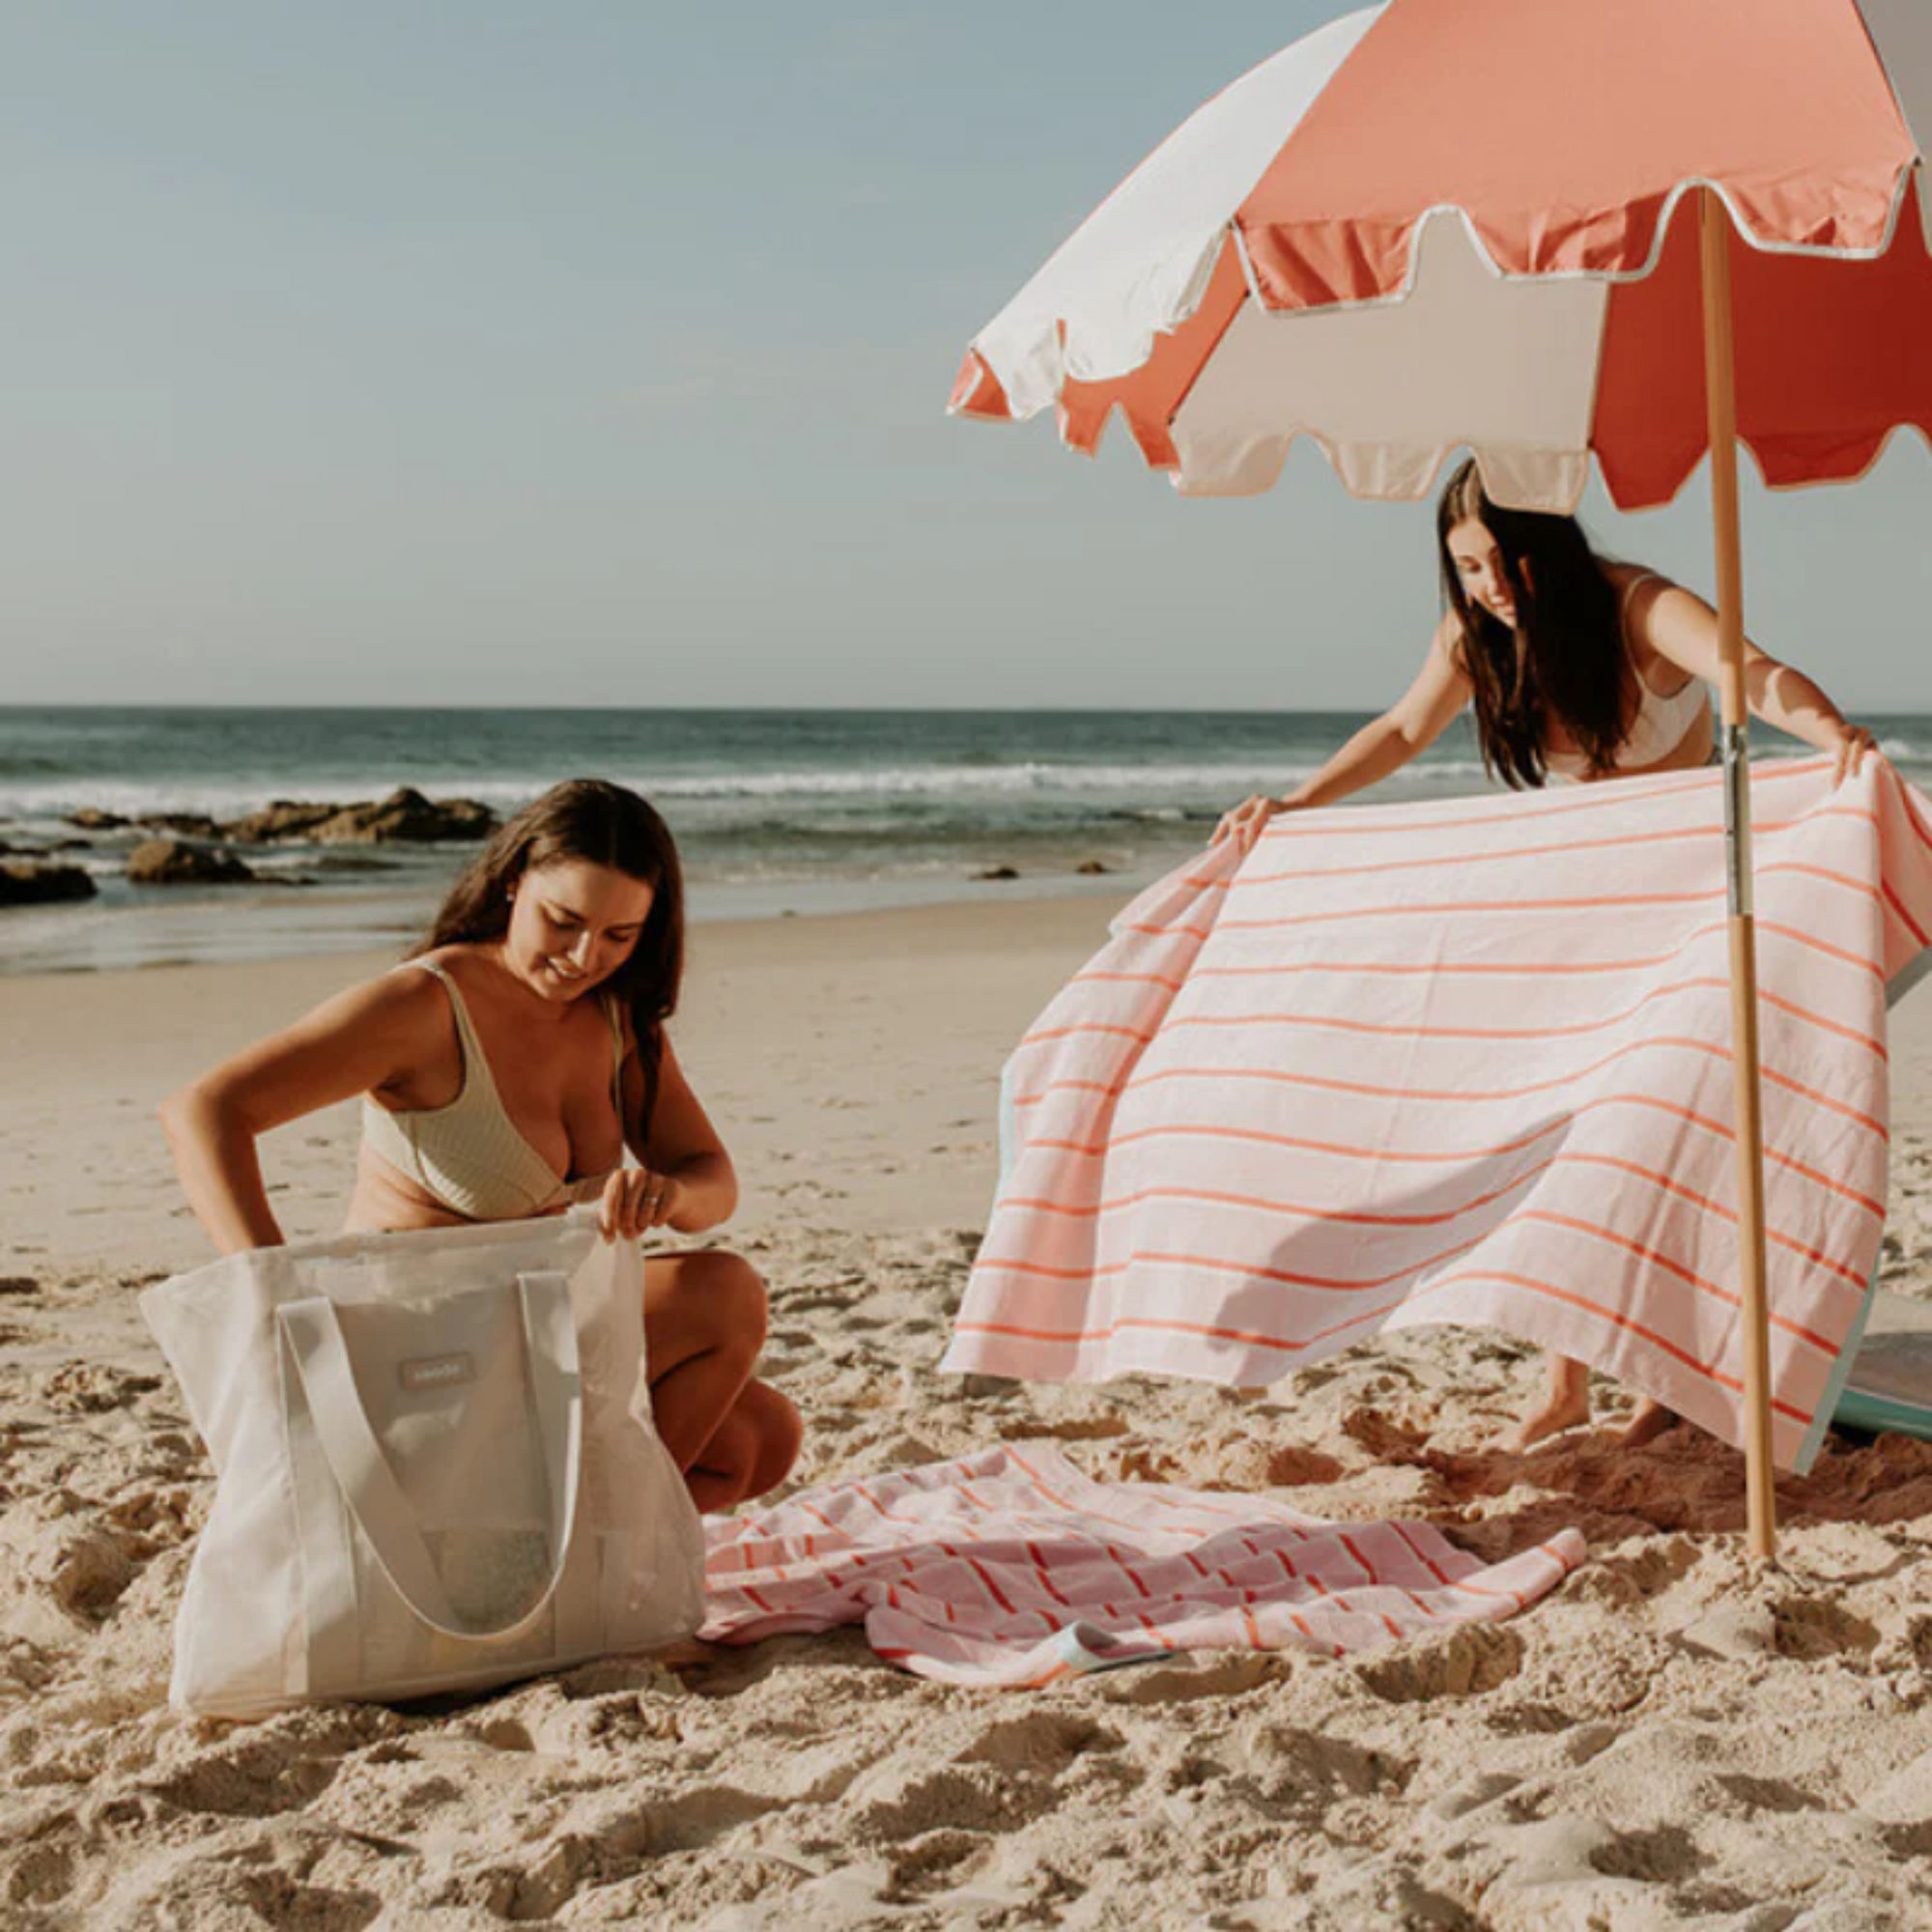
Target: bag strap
<point>313,1332</point>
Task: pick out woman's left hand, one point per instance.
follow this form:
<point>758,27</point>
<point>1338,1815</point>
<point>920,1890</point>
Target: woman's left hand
<point>635,1200</point>
<point>1854,742</point>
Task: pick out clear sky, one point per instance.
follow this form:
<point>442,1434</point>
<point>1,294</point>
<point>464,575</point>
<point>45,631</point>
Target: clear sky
<point>479,351</point>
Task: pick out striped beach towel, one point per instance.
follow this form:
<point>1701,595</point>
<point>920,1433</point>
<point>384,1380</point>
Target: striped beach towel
<point>1011,1567</point>
<point>1467,1060</point>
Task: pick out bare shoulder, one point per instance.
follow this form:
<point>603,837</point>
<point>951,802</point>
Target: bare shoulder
<point>1636,581</point>
<point>358,1040</point>
<point>1661,616</point>
<point>465,969</point>
<point>457,960</point>
<point>1446,646</point>
<point>401,987</point>
<point>401,1004</point>
<point>1644,596</point>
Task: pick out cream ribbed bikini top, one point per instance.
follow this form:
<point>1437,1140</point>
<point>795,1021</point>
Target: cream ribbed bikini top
<point>470,1156</point>
<point>1658,726</point>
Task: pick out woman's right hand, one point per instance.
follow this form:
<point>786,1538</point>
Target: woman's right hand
<point>1249,820</point>
<point>635,1201</point>
<point>1854,743</point>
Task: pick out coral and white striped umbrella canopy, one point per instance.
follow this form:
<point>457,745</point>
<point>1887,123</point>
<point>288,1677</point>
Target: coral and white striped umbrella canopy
<point>1438,223</point>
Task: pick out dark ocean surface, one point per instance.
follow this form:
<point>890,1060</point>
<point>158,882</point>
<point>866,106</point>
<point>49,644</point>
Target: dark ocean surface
<point>803,811</point>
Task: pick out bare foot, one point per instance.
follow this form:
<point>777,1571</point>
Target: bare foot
<point>1565,1405</point>
<point>1557,1412</point>
<point>1648,1420</point>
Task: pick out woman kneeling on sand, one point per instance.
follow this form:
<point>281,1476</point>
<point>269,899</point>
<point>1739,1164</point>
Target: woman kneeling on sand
<point>505,1069</point>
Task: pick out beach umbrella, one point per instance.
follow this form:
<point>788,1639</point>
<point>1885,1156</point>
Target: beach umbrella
<point>1544,231</point>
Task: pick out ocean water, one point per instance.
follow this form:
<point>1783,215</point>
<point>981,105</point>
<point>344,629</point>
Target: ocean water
<point>775,811</point>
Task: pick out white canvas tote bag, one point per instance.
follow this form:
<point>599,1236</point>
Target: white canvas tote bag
<point>436,1466</point>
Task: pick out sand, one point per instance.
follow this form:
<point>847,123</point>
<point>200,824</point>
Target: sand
<point>1671,1739</point>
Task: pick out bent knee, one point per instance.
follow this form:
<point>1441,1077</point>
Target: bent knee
<point>750,1453</point>
<point>718,1292</point>
<point>779,1430</point>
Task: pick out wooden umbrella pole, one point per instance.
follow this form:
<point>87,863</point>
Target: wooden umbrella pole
<point>1720,396</point>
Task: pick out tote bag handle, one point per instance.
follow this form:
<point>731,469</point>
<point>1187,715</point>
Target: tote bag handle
<point>368,1484</point>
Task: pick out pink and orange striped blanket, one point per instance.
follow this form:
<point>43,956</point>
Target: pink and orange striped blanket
<point>1467,1060</point>
<point>1012,1568</point>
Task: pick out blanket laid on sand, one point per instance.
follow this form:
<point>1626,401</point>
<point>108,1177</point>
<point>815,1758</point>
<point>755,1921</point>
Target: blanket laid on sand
<point>1468,1062</point>
<point>1009,1567</point>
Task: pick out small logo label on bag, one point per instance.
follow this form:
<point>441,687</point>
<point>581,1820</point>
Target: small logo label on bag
<point>435,1371</point>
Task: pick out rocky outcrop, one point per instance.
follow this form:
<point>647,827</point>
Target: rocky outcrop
<point>42,885</point>
<point>280,819</point>
<point>185,824</point>
<point>404,819</point>
<point>174,861</point>
<point>406,815</point>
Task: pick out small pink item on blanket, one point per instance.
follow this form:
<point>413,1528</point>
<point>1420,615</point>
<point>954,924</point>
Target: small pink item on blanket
<point>1011,1568</point>
<point>1468,1062</point>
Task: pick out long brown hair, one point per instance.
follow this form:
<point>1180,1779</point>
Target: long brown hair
<point>1574,667</point>
<point>602,823</point>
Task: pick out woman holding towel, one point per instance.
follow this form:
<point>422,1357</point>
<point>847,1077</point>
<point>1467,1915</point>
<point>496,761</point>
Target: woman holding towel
<point>1578,669</point>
